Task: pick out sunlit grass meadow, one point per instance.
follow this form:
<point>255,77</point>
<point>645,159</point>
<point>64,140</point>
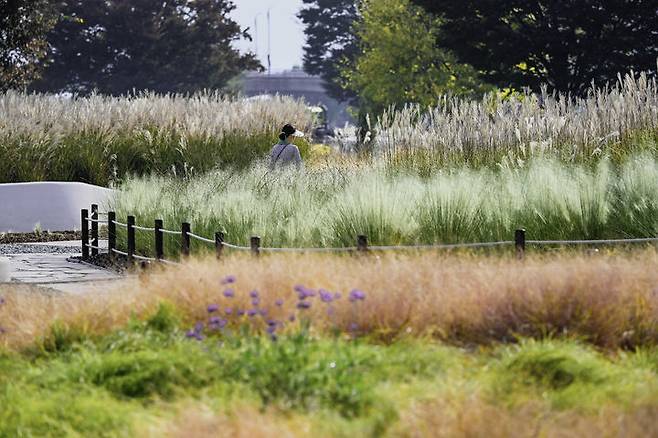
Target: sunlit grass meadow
<point>330,205</point>
<point>429,346</point>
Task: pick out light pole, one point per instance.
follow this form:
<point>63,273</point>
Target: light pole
<point>269,45</point>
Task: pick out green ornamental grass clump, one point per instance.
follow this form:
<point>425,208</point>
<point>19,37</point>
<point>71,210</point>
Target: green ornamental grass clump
<point>331,206</point>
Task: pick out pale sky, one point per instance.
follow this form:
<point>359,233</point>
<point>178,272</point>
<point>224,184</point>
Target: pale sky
<point>287,31</point>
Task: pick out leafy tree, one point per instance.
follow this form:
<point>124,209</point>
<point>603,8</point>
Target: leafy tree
<point>23,26</point>
<point>331,43</point>
<point>566,44</point>
<point>115,46</point>
<point>399,62</point>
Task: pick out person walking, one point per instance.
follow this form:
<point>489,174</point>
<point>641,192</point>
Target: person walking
<point>285,152</point>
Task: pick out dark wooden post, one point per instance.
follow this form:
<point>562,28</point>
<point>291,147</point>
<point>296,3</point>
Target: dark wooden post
<point>159,240</point>
<point>362,243</point>
<point>94,229</point>
<point>84,215</point>
<point>255,245</point>
<point>111,233</point>
<point>185,238</point>
<point>219,244</point>
<point>131,238</point>
<point>519,242</point>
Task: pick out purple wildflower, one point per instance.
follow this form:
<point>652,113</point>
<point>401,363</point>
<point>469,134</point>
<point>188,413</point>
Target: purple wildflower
<point>198,327</point>
<point>304,292</point>
<point>213,308</point>
<point>291,318</point>
<point>263,312</point>
<point>326,296</point>
<point>240,312</point>
<point>255,301</point>
<point>357,295</point>
<point>271,329</point>
<point>217,323</point>
<point>2,301</point>
<point>228,279</point>
<point>252,312</point>
<point>228,311</point>
<point>303,305</point>
<point>253,294</point>
<point>229,293</point>
<point>354,327</point>
<point>271,322</point>
<point>279,302</point>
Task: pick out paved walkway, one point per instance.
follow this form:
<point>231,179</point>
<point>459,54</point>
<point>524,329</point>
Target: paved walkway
<point>58,271</point>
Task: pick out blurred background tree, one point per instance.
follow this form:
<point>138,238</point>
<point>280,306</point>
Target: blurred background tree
<point>23,46</point>
<point>116,46</point>
<point>564,44</point>
<point>399,63</point>
<point>331,42</point>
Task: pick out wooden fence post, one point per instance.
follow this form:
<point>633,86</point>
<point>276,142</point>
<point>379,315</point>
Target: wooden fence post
<point>94,229</point>
<point>219,244</point>
<point>185,238</point>
<point>131,238</point>
<point>159,240</point>
<point>519,243</point>
<point>84,215</point>
<point>111,233</point>
<point>255,245</point>
<point>362,243</point>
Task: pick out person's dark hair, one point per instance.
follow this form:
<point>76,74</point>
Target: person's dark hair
<point>287,131</point>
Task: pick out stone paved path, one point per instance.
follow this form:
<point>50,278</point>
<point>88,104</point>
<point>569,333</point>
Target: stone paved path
<point>58,271</point>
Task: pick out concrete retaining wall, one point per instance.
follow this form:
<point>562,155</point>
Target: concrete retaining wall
<point>52,206</point>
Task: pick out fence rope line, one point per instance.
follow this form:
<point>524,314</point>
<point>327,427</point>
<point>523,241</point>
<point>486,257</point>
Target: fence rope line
<point>344,249</point>
<point>146,259</point>
<point>175,233</point>
<point>138,227</point>
<point>116,251</point>
<point>121,224</point>
<point>201,238</point>
<point>591,242</point>
<point>441,246</point>
<point>98,221</point>
<point>88,245</point>
<point>237,247</point>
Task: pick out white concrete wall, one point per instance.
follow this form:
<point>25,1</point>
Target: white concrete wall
<point>54,206</point>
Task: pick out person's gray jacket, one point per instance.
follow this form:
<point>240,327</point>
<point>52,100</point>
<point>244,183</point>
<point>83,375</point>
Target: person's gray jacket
<point>283,154</point>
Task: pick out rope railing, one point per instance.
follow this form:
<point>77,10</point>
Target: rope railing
<point>201,238</point>
<point>592,242</point>
<point>255,248</point>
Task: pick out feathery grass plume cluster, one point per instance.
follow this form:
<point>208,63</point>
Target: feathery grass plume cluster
<point>614,121</point>
<point>332,205</point>
<point>607,300</point>
<point>99,139</point>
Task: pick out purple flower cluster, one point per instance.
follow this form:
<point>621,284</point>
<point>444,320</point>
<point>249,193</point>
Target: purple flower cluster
<point>304,302</point>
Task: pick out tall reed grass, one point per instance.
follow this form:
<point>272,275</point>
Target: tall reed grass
<point>330,206</point>
<point>614,121</point>
<point>101,139</point>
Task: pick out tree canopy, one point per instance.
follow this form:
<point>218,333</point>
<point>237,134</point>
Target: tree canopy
<point>23,28</point>
<point>115,46</point>
<point>399,62</point>
<point>566,44</point>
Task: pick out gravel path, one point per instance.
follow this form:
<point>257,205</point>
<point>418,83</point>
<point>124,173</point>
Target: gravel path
<point>21,248</point>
